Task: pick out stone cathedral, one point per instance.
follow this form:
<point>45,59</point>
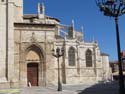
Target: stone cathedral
<point>26,44</point>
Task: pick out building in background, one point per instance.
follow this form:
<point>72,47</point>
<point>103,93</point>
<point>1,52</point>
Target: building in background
<point>115,69</point>
<point>26,43</point>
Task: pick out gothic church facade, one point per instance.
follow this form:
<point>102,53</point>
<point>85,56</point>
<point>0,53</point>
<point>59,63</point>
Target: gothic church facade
<point>26,43</point>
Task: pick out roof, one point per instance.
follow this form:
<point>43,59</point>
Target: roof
<point>104,54</point>
<point>115,62</point>
<point>30,16</point>
<point>123,53</point>
<point>117,73</point>
<point>59,37</point>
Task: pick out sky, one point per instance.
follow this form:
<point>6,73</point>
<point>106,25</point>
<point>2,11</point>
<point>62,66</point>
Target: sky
<point>84,13</point>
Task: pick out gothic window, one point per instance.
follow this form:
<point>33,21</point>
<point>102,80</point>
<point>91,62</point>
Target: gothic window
<point>71,56</point>
<point>88,58</point>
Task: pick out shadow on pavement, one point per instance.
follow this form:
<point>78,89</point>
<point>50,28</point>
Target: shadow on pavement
<point>102,88</point>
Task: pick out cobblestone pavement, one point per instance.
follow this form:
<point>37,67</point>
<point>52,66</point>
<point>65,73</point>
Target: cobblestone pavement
<point>102,88</point>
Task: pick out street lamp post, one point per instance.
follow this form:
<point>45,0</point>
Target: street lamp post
<point>58,53</point>
<point>115,8</point>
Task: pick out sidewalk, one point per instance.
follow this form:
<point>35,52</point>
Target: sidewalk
<point>34,91</point>
<point>46,92</point>
<point>99,88</point>
<point>10,91</point>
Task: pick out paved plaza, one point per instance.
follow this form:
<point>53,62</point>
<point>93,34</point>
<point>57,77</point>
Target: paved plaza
<point>101,88</point>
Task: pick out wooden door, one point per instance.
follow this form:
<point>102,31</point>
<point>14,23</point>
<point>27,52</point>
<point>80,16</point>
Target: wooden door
<point>32,74</point>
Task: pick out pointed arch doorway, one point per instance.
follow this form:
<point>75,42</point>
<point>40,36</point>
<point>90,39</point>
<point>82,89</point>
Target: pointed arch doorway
<point>34,66</point>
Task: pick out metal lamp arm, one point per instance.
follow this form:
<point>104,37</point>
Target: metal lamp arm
<point>55,55</point>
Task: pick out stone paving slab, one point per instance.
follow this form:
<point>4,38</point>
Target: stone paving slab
<point>10,91</point>
<point>58,93</point>
<point>28,91</point>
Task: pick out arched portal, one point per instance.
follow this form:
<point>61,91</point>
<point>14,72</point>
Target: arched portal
<point>32,71</point>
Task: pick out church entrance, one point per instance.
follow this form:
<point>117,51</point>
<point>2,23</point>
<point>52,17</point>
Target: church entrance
<point>32,71</point>
<point>32,74</point>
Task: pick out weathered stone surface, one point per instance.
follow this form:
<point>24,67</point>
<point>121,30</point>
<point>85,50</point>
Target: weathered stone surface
<point>30,41</point>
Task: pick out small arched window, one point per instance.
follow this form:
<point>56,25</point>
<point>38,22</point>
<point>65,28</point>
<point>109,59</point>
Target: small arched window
<point>71,56</point>
<point>88,58</point>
